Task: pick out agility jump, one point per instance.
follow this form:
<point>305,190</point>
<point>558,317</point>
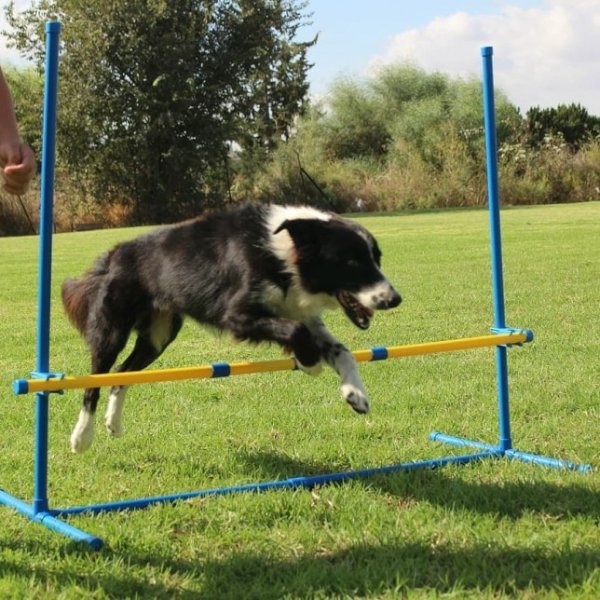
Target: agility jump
<point>43,381</point>
<point>58,383</point>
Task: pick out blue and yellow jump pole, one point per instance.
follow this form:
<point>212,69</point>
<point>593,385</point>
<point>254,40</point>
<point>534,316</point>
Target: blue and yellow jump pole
<point>43,382</point>
<point>59,383</point>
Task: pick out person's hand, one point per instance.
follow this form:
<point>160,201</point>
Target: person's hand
<point>18,167</point>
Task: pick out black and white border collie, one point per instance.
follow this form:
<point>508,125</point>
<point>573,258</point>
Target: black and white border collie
<point>261,272</point>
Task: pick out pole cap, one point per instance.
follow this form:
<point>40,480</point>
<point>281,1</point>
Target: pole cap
<point>20,386</point>
<point>53,27</point>
<point>487,51</point>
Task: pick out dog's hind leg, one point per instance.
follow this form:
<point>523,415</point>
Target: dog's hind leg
<point>106,342</point>
<point>153,338</point>
<point>342,361</point>
<point>83,432</point>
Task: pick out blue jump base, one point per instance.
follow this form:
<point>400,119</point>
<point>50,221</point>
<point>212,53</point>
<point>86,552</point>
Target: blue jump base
<point>39,510</point>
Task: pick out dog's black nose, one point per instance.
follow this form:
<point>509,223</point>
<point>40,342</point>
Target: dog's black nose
<point>390,300</point>
<point>396,300</point>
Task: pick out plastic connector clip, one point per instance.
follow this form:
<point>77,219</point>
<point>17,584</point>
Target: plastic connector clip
<point>509,330</point>
<point>46,377</point>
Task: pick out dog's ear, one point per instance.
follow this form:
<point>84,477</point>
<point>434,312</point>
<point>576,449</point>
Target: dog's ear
<point>305,233</point>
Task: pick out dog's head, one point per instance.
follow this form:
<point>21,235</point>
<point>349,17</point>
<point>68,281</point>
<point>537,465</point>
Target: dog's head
<point>342,259</point>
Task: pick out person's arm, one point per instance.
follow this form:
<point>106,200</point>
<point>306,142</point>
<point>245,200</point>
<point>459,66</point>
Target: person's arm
<point>17,162</point>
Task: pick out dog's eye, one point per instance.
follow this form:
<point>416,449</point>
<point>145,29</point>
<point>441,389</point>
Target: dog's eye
<point>352,263</point>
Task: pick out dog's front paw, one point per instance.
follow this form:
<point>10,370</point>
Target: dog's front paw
<point>312,370</point>
<point>114,411</point>
<point>83,433</point>
<point>114,427</point>
<point>356,397</point>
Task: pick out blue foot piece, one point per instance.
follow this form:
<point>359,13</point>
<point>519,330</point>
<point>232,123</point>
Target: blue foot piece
<point>49,520</point>
<point>292,483</point>
<point>536,459</point>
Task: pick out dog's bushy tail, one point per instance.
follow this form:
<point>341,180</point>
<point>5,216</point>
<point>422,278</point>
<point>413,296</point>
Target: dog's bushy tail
<point>79,294</point>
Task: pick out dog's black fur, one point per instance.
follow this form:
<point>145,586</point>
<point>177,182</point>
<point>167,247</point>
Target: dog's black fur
<point>261,272</point>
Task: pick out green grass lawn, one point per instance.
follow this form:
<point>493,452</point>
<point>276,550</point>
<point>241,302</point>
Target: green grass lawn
<point>490,530</point>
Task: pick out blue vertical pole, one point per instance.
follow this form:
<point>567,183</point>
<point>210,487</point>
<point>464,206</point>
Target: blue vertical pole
<point>491,148</point>
<point>40,496</point>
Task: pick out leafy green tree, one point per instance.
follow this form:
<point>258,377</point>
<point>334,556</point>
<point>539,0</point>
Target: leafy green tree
<point>276,84</point>
<point>407,103</point>
<point>570,121</point>
<point>277,75</point>
<point>354,125</point>
<point>153,92</point>
<point>400,85</point>
<point>401,137</point>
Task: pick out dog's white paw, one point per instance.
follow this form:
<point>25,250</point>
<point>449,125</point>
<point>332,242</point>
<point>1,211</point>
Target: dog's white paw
<point>83,433</point>
<point>114,412</point>
<point>114,426</point>
<point>312,370</point>
<point>356,397</point>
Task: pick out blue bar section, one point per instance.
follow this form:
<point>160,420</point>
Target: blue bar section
<point>491,149</point>
<point>47,195</point>
<point>221,369</point>
<point>504,434</point>
<point>40,497</point>
<point>19,505</point>
<point>20,386</point>
<point>545,461</point>
<point>379,353</point>
<point>40,471</point>
<point>452,440</point>
<point>77,535</point>
<point>294,482</point>
<point>50,521</point>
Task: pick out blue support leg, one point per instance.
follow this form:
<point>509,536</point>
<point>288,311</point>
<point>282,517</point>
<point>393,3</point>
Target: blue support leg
<point>504,447</point>
<point>40,502</point>
<point>292,483</point>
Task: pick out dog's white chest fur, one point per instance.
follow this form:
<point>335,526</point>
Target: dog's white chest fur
<point>297,303</point>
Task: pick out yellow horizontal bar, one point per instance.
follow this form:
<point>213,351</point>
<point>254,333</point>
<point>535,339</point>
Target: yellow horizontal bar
<point>265,366</point>
<point>458,344</point>
<point>245,368</point>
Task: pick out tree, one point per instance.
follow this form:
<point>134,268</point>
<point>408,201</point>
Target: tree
<point>354,125</point>
<point>572,122</point>
<point>153,92</point>
<point>277,83</point>
<point>404,102</point>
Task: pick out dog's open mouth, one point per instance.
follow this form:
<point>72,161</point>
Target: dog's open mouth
<point>360,315</point>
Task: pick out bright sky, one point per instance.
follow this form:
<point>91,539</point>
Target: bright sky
<point>545,51</point>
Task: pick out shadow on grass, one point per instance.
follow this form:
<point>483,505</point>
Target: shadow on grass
<point>508,499</point>
<point>82,572</point>
<point>361,569</point>
<point>371,568</point>
<point>358,570</point>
